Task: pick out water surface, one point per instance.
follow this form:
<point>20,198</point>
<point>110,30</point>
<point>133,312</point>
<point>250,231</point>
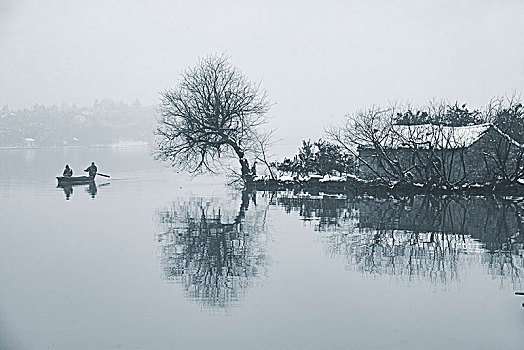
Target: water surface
<point>153,259</point>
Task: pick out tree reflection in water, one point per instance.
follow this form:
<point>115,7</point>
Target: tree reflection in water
<point>420,236</point>
<point>216,252</point>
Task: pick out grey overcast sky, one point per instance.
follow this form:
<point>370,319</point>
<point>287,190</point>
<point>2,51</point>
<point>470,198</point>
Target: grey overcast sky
<point>317,59</point>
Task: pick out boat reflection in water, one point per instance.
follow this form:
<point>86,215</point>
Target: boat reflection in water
<point>68,190</point>
<point>90,187</point>
<point>420,236</point>
<point>214,250</point>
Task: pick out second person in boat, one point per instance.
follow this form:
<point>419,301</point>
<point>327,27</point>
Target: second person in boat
<point>92,169</point>
<point>68,172</point>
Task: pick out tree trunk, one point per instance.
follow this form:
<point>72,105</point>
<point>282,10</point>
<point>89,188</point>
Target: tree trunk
<point>246,175</point>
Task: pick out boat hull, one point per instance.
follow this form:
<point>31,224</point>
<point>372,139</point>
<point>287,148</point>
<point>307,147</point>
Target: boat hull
<point>63,180</point>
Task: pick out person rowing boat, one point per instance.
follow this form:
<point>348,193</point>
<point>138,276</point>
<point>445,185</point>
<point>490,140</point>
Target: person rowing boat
<point>92,169</point>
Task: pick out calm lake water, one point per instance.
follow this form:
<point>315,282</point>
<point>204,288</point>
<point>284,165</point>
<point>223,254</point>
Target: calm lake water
<point>151,259</point>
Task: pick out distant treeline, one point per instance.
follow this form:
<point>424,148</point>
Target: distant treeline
<point>105,122</point>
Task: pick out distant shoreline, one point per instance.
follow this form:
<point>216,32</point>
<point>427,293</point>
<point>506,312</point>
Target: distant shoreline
<point>115,145</point>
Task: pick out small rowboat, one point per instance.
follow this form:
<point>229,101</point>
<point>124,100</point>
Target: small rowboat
<point>72,180</point>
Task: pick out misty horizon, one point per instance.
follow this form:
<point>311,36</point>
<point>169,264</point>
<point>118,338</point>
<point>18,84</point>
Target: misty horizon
<point>318,62</point>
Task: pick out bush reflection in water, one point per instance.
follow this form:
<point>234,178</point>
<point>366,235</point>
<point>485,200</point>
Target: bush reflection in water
<point>214,247</point>
<point>420,236</point>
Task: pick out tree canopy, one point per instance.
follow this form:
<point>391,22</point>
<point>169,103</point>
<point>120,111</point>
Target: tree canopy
<point>213,113</point>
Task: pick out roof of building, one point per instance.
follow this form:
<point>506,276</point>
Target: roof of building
<point>438,136</point>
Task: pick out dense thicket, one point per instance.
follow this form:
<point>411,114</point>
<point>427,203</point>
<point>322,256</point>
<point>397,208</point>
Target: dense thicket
<point>320,158</point>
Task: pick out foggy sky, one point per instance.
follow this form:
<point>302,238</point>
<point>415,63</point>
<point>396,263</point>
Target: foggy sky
<point>317,59</point>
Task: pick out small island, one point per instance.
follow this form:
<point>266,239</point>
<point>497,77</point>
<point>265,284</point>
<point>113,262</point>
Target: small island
<point>216,114</point>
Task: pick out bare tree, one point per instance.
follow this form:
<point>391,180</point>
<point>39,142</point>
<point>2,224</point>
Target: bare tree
<point>370,129</point>
<point>264,141</point>
<point>436,152</point>
<point>215,112</point>
<point>504,157</point>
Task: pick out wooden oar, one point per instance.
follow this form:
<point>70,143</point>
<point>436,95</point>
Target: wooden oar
<point>104,175</point>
